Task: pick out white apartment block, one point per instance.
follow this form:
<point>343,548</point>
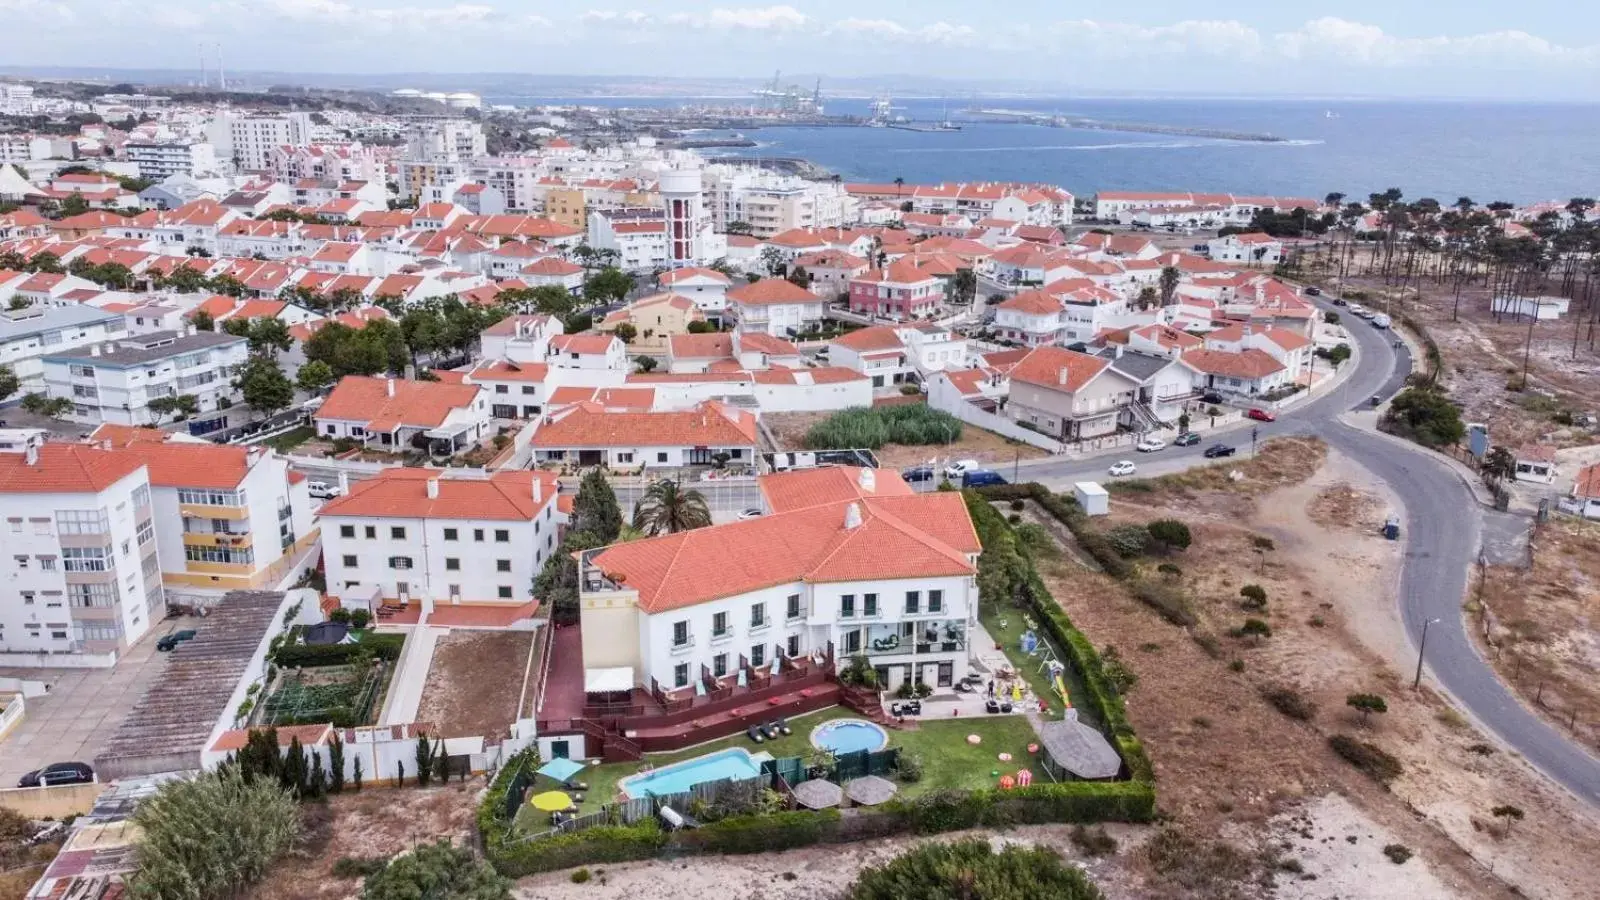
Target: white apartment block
<point>26,335</point>
<point>445,140</point>
<point>252,139</point>
<point>115,382</point>
<point>161,159</point>
<point>771,202</point>
<point>440,538</point>
<point>82,577</point>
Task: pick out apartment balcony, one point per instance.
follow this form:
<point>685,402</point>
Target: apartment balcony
<point>207,511</point>
<point>218,539</point>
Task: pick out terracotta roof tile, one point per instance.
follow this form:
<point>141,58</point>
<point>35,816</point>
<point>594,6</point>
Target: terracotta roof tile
<point>1058,369</point>
<point>589,424</point>
<point>403,493</point>
<point>771,290</point>
<point>65,469</point>
<point>419,404</point>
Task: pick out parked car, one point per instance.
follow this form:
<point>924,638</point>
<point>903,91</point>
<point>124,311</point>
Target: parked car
<point>171,640</point>
<point>1122,467</point>
<point>981,478</point>
<point>1217,451</point>
<point>1340,301</point>
<point>1187,439</point>
<point>322,490</point>
<point>1313,291</point>
<point>1380,321</point>
<point>1211,397</point>
<point>1150,445</point>
<point>1357,309</point>
<point>1260,415</point>
<point>955,470</point>
<point>58,773</point>
<point>917,473</point>
<point>751,513</point>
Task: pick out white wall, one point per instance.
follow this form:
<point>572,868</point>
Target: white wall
<point>943,396</point>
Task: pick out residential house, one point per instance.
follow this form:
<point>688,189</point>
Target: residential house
<point>588,434</point>
<point>1252,248</point>
<point>900,291</point>
<point>1031,318</point>
<point>1536,463</point>
<point>519,338</point>
<point>516,390</point>
<point>829,272</point>
<point>592,352</point>
<point>707,288</point>
<point>1249,373</point>
<point>552,270</point>
<point>655,321</point>
<point>1067,395</point>
<point>1288,346</point>
<point>776,306</point>
<point>399,415</point>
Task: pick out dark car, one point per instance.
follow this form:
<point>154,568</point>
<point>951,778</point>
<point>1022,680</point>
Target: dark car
<point>1211,397</point>
<point>170,642</point>
<point>1313,292</point>
<point>917,473</point>
<point>1216,451</point>
<point>981,478</point>
<point>58,773</point>
<point>1260,415</point>
<point>1340,301</point>
<point>1187,439</point>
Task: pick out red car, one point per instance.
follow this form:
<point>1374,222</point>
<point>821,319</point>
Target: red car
<point>1261,415</point>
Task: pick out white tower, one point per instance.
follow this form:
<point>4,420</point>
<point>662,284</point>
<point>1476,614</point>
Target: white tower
<point>680,194</point>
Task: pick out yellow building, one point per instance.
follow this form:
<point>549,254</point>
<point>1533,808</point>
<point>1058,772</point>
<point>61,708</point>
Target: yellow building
<point>655,321</point>
<point>567,206</point>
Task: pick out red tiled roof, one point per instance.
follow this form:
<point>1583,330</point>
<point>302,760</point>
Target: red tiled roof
<point>802,488</point>
<point>875,337</point>
<point>583,343</point>
<point>711,424</point>
<point>715,345</point>
<point>771,290</point>
<point>420,404</point>
<point>1058,369</point>
<point>677,275</point>
<point>1249,364</point>
<point>65,469</point>
<point>403,493</point>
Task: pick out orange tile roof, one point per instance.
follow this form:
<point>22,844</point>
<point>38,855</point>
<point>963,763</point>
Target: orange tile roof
<point>915,536</point>
<point>589,424</point>
<point>1033,303</point>
<point>1283,337</point>
<point>502,370</point>
<point>309,735</point>
<point>583,343</point>
<point>714,345</point>
<point>677,275</point>
<point>419,404</point>
<point>772,290</point>
<point>802,488</point>
<point>1587,485</point>
<point>1058,369</point>
<point>761,342</point>
<point>875,337</point>
<point>402,493</point>
<point>65,469</point>
<point>551,265</point>
<point>1249,364</point>
<point>195,465</point>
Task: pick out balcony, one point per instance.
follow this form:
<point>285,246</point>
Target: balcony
<point>207,511</point>
<point>218,539</point>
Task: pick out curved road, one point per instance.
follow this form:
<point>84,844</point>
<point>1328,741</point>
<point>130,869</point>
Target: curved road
<point>1441,533</point>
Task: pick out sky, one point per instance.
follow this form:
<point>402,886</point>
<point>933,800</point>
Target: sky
<point>1528,49</point>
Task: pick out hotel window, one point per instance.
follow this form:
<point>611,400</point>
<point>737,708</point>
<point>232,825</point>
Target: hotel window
<point>505,592</point>
<point>792,608</point>
<point>913,602</point>
<point>146,532</point>
<point>502,565</point>
<point>680,675</point>
<point>451,534</point>
<point>719,665</point>
<point>399,562</point>
<point>680,634</point>
<point>847,606</point>
<point>935,601</point>
<point>793,649</point>
<point>372,532</point>
<point>758,656</point>
<point>47,563</point>
<point>451,564</point>
<point>502,536</point>
<point>869,604</point>
<point>477,534</point>
<point>397,533</point>
<point>350,562</point>
<point>719,625</point>
<point>758,615</point>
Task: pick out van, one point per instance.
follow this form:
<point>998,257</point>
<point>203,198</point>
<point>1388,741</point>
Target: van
<point>1380,321</point>
<point>981,478</point>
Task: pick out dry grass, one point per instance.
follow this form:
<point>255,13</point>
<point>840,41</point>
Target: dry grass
<point>789,429</point>
<point>1278,462</point>
<point>474,683</point>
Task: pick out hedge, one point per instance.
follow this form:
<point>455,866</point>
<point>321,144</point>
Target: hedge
<point>759,833</point>
<point>293,656</point>
<point>601,844</point>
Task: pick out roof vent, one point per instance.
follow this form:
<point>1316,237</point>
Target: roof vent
<point>868,480</point>
<point>433,488</point>
<point>388,384</point>
<point>852,517</point>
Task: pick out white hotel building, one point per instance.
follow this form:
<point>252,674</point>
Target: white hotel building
<point>115,382</point>
<point>844,556</point>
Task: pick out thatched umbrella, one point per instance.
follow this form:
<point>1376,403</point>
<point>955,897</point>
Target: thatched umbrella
<point>818,794</point>
<point>870,790</point>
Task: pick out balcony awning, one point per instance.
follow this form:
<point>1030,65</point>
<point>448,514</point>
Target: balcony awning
<point>608,681</point>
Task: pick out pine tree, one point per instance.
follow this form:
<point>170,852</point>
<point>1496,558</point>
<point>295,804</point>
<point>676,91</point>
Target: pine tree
<point>424,761</point>
<point>317,784</point>
<point>355,776</point>
<point>336,764</point>
<point>441,763</point>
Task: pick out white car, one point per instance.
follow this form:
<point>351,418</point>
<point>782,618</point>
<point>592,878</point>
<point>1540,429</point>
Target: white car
<point>955,470</point>
<point>751,513</point>
<point>321,490</point>
<point>1122,467</point>
<point>1150,445</point>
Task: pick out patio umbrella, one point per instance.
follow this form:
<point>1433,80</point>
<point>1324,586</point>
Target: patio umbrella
<point>560,769</point>
<point>870,791</point>
<point>818,794</point>
<point>551,801</point>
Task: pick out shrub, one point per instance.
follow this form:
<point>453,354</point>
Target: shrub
<point>1166,598</point>
<point>873,426</point>
<point>1170,534</point>
<point>1170,570</point>
<point>1019,505</point>
<point>1256,594</point>
<point>1254,629</point>
<point>1290,702</point>
<point>439,869</point>
<point>360,618</point>
<point>1117,672</point>
<point>1261,542</point>
<point>972,868</point>
<point>1366,704</point>
<point>1397,853</point>
<point>579,876</point>
<point>1423,414</point>
<point>910,390</point>
<point>1129,540</point>
<point>212,836</point>
<point>1100,550</point>
<point>358,866</point>
<point>1093,841</point>
<point>910,768</point>
<point>1374,761</point>
<point>340,615</point>
<point>1014,518</point>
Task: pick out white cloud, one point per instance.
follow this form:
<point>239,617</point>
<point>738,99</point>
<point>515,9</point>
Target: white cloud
<point>886,29</point>
<point>337,13</point>
<point>1353,42</point>
<point>758,18</point>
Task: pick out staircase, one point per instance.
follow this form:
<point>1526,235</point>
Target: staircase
<point>1146,417</point>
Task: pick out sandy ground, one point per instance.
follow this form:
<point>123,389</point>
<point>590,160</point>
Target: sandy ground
<point>474,682</point>
<point>985,446</point>
<point>1341,849</point>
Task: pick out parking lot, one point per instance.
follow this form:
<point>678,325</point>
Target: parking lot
<point>82,710</point>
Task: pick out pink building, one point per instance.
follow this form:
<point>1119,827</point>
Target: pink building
<point>901,291</point>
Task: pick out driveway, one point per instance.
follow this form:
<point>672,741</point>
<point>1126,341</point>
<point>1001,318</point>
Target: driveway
<point>83,708</point>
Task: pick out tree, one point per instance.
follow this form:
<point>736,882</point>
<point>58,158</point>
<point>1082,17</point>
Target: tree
<point>43,404</point>
<point>595,509</point>
<point>1255,596</point>
<point>269,337</point>
<point>203,321</point>
<point>336,764</point>
<point>227,285</point>
<point>609,285</point>
<point>46,262</point>
<point>1148,297</point>
<point>626,333</point>
<point>974,870</point>
<point>645,363</point>
<point>1170,276</point>
<point>1255,629</point>
<point>964,287</point>
<point>1170,534</point>
<point>162,407</point>
<point>437,871</point>
<point>772,261</point>
<point>739,228</point>
<point>700,326</point>
<point>264,386</point>
<point>1366,704</point>
<point>314,376</point>
<point>9,382</point>
<point>666,508</point>
<point>1508,814</point>
<point>1499,464</point>
<point>211,836</point>
<point>557,583</point>
<point>1426,416</point>
<point>73,205</point>
<point>424,760</point>
<point>187,405</point>
<point>799,278</point>
<point>355,775</point>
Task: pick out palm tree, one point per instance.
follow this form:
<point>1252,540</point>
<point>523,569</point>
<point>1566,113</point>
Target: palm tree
<point>666,508</point>
<point>1170,276</point>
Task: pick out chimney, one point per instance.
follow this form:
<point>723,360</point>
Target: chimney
<point>868,481</point>
<point>388,385</point>
<point>433,488</point>
<point>1064,376</point>
<point>852,517</point>
<point>1118,348</point>
<point>538,490</point>
<point>32,454</point>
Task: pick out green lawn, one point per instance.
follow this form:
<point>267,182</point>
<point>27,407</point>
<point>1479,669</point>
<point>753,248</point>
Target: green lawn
<point>1009,635</point>
<point>948,760</point>
<point>289,440</point>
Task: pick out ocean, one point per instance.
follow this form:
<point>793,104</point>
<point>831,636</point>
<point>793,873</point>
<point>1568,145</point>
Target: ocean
<point>1520,152</point>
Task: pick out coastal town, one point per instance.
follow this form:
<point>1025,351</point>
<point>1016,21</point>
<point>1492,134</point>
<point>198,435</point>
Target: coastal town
<point>434,488</point>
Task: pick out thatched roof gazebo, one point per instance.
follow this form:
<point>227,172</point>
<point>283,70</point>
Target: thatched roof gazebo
<point>870,790</point>
<point>818,794</point>
<point>1075,751</point>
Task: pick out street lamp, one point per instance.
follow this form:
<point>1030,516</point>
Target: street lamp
<point>1422,647</point>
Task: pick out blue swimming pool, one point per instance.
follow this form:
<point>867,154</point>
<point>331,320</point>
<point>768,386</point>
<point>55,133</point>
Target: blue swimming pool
<point>680,777</point>
<point>848,736</point>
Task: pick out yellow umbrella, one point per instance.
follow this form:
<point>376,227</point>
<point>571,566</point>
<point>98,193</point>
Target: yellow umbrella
<point>551,801</point>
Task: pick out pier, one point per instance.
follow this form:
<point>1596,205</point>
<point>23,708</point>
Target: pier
<point>1056,121</point>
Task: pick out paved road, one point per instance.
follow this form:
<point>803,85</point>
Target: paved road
<point>1443,526</point>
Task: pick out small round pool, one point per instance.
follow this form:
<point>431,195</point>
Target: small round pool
<point>848,736</point>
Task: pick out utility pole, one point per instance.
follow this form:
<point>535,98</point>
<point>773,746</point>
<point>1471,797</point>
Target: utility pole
<point>1422,647</point>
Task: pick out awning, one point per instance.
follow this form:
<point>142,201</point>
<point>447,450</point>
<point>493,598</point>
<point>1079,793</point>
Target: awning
<point>561,770</point>
<point>608,681</point>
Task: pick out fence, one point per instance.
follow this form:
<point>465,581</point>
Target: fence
<point>745,792</point>
<point>942,396</point>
